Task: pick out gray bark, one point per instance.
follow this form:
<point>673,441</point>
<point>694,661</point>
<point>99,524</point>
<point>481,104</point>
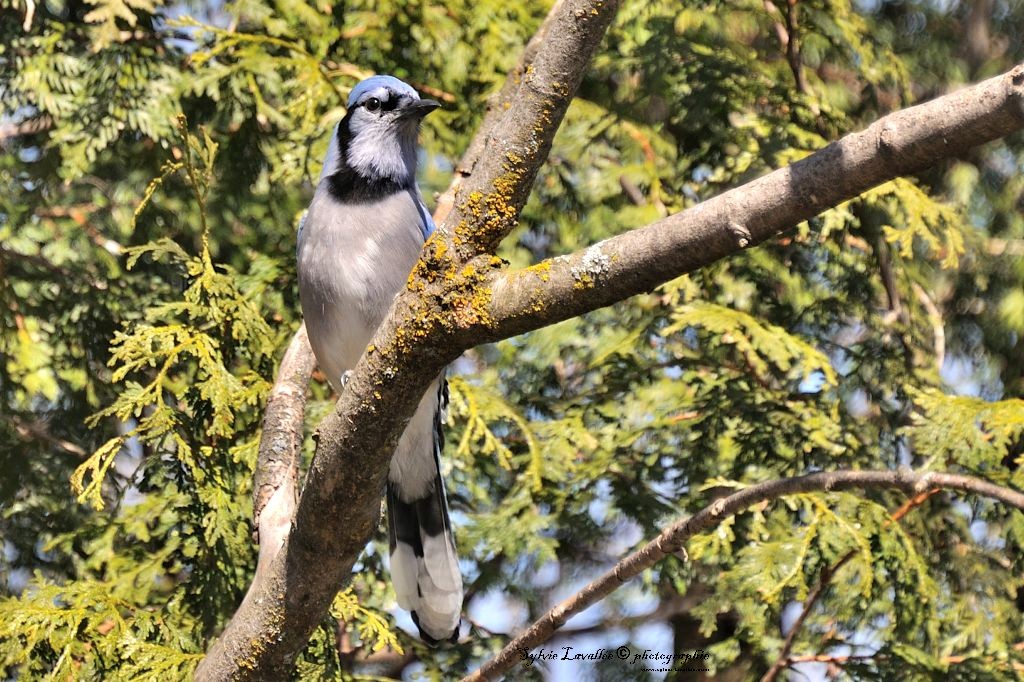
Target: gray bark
<point>459,296</point>
<point>339,506</point>
<point>674,538</point>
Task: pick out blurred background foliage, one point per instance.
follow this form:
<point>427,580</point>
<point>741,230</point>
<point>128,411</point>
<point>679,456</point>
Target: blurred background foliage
<point>156,158</point>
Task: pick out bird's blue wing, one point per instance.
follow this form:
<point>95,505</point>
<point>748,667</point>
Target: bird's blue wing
<point>427,226</point>
<point>298,235</point>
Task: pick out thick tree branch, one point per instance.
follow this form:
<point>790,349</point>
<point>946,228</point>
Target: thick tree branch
<point>527,113</point>
<point>457,297</point>
<point>339,507</point>
<point>289,421</point>
<point>275,485</point>
<point>639,260</point>
<point>283,421</point>
<point>497,104</point>
<point>673,539</point>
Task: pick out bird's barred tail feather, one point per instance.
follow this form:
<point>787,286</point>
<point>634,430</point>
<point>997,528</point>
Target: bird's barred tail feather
<point>424,564</point>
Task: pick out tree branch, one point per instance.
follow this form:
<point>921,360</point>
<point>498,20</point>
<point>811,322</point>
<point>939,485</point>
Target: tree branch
<point>641,259</point>
<point>523,129</point>
<point>278,462</point>
<point>457,297</point>
<point>781,34</point>
<point>978,44</point>
<point>1008,247</point>
<point>37,430</point>
<point>277,465</point>
<point>938,326</point>
<point>283,422</point>
<point>496,106</point>
<point>673,538</point>
<point>31,126</point>
<point>789,40</point>
<point>793,47</point>
<point>339,507</point>
<point>825,578</point>
<point>838,660</point>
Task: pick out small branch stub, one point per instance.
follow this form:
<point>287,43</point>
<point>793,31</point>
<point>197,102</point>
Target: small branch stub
<point>887,137</point>
<point>740,233</point>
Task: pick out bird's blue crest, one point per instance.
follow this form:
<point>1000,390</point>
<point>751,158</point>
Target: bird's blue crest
<point>374,82</point>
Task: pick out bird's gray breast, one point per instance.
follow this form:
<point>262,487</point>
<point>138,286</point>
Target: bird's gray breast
<point>352,261</point>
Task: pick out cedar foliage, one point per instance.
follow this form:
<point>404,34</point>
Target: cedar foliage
<point>147,217</point>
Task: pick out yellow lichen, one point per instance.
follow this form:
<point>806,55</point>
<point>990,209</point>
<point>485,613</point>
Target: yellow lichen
<point>491,213</point>
<point>583,282</point>
<point>541,269</point>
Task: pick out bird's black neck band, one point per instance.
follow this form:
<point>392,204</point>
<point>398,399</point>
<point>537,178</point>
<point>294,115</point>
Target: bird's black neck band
<point>347,185</point>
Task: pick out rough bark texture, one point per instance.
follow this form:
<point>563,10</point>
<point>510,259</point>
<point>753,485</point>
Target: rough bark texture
<point>673,539</point>
<point>275,485</point>
<point>459,296</point>
<point>530,106</point>
<point>641,259</point>
<point>281,440</point>
<point>497,104</point>
<point>339,507</point>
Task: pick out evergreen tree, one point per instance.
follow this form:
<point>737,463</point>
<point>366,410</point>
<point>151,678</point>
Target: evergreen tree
<point>156,161</point>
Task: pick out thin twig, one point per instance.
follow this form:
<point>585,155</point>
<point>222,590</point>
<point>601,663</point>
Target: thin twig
<point>38,431</point>
<point>892,292</point>
<point>824,579</point>
<point>1008,247</point>
<point>793,47</point>
<point>786,33</point>
<point>938,328</point>
<point>675,536</point>
<point>781,34</point>
<point>836,660</point>
<point>9,131</point>
<point>840,659</point>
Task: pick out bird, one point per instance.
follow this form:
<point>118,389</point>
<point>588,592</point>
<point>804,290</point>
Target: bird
<point>356,245</point>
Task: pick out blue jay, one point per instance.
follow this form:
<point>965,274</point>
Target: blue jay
<point>357,245</point>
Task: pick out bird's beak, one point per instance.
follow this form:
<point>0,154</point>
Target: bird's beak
<point>419,108</point>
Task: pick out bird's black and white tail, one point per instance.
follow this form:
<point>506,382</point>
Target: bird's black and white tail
<point>424,564</point>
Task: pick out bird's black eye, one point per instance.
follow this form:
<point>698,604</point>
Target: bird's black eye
<point>372,104</point>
